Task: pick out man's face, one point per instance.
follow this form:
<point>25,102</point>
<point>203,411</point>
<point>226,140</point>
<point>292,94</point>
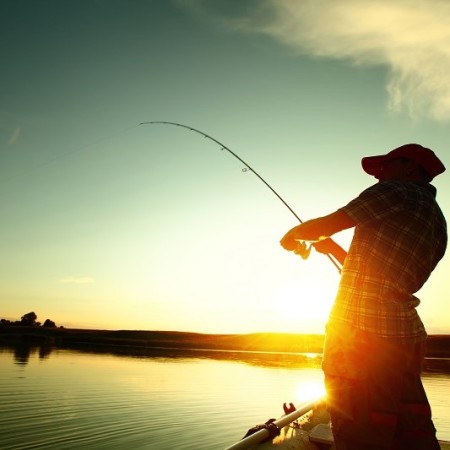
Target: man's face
<point>393,169</point>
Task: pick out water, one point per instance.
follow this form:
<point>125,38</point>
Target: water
<point>66,399</point>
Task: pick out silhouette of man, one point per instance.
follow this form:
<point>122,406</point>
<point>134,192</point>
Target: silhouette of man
<point>375,340</point>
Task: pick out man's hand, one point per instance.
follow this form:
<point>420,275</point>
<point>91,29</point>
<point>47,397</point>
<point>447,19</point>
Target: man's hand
<point>302,249</point>
<point>316,230</point>
<point>328,246</point>
<point>307,231</point>
<point>289,241</point>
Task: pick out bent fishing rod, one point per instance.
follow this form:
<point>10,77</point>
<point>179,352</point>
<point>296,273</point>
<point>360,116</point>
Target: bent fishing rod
<point>304,253</point>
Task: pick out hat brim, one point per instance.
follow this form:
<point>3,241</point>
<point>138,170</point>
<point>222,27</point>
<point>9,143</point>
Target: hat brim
<point>372,164</point>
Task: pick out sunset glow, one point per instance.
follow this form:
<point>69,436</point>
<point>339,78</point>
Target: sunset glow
<point>110,224</point>
<point>309,390</point>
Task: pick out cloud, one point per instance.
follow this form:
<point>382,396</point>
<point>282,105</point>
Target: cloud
<point>77,280</point>
<point>15,136</point>
<point>410,37</point>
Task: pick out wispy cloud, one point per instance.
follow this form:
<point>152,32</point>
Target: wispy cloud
<point>15,136</point>
<point>410,37</point>
<point>77,280</point>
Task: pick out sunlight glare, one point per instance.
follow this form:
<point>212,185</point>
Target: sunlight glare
<point>303,305</point>
<point>309,390</point>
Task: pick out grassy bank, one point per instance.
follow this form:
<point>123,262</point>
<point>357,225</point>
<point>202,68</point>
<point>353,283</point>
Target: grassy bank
<point>438,346</point>
<point>61,337</point>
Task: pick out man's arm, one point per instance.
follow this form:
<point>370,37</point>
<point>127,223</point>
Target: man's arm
<point>328,246</point>
<point>319,229</point>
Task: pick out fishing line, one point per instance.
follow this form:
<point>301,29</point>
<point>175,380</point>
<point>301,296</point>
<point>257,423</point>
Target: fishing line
<point>246,168</point>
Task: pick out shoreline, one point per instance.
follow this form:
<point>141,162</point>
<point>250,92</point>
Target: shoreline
<point>268,342</point>
<point>438,346</point>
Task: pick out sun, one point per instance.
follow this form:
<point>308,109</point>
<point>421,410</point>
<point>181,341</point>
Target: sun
<point>309,390</point>
<point>302,305</point>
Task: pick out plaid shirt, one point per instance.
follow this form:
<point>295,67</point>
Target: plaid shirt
<point>400,236</point>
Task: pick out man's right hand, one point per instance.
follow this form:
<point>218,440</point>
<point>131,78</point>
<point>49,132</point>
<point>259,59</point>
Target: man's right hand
<point>328,246</point>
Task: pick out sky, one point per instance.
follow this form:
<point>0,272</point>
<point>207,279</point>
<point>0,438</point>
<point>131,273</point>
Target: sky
<point>110,224</point>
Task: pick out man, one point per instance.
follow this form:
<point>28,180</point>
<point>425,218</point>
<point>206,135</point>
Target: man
<point>375,339</point>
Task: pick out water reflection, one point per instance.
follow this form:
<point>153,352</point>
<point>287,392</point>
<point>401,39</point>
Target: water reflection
<point>263,359</point>
<point>22,353</point>
<point>45,351</point>
<point>166,399</point>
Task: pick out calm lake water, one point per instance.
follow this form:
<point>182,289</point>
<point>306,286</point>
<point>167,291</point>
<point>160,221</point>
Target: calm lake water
<point>65,399</point>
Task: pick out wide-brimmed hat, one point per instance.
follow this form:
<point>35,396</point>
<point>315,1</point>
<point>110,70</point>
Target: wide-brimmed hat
<point>415,152</point>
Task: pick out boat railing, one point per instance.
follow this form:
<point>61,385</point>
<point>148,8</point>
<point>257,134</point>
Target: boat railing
<point>262,434</point>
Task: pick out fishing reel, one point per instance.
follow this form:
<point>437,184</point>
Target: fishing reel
<point>302,249</point>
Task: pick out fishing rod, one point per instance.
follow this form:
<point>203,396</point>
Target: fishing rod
<point>303,251</point>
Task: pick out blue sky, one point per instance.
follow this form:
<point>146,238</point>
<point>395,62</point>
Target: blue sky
<point>112,224</point>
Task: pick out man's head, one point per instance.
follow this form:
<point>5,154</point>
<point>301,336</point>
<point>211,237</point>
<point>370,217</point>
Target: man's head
<point>408,162</point>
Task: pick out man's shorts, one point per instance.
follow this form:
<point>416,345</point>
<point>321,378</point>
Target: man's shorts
<point>375,394</point>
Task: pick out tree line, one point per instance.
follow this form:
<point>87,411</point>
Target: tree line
<point>29,320</point>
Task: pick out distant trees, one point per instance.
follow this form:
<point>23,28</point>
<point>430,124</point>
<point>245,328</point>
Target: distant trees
<point>49,324</point>
<point>29,320</point>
